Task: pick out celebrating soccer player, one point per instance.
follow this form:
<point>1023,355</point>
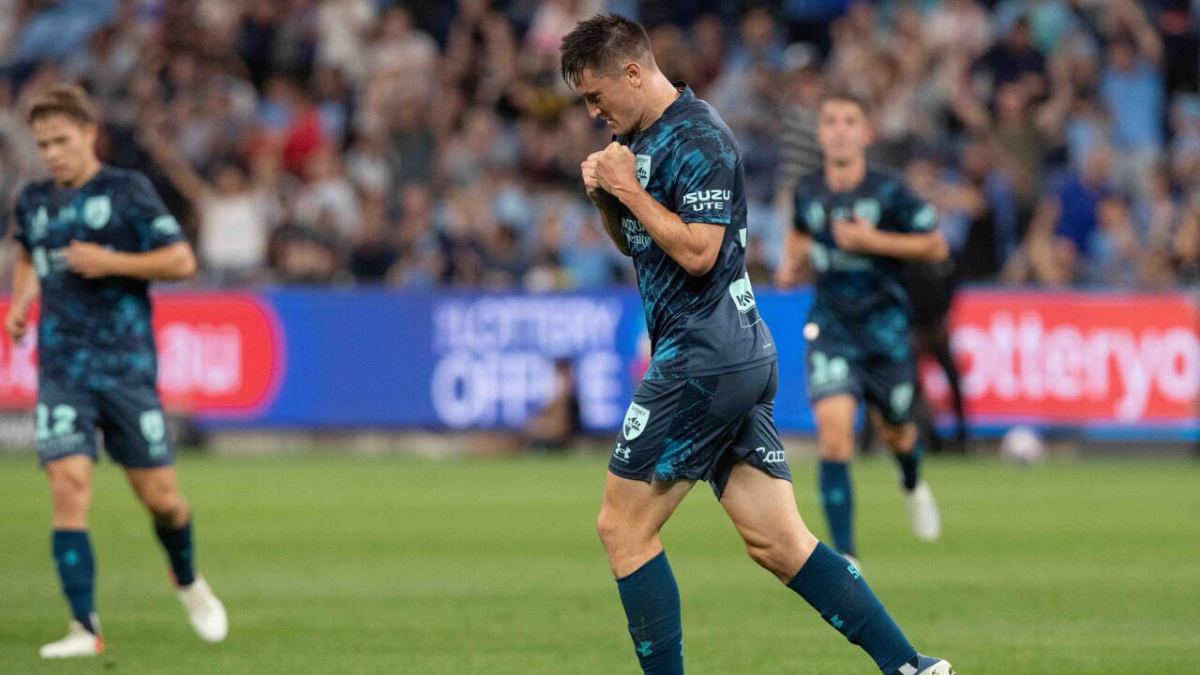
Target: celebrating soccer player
<point>93,237</point>
<point>670,193</point>
<point>856,226</point>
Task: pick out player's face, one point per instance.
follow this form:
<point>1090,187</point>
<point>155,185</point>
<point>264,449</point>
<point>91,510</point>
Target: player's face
<point>612,98</point>
<point>67,146</point>
<point>843,132</point>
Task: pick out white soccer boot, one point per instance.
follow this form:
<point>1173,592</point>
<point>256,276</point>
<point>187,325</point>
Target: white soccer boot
<point>78,642</point>
<point>927,665</point>
<point>204,610</point>
<point>923,513</point>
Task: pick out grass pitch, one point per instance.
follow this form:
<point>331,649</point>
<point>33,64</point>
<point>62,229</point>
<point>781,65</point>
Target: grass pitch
<point>387,565</point>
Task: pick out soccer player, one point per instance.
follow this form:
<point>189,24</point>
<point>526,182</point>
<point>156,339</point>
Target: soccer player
<point>856,227</point>
<point>92,239</point>
<point>670,193</point>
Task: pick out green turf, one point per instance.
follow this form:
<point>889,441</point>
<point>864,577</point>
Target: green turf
<point>384,565</point>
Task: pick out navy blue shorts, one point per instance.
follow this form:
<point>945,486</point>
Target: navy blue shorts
<point>699,428</point>
<point>129,418</point>
<point>882,382</point>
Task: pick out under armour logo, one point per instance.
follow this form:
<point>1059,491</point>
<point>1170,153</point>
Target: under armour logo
<point>622,452</point>
<point>643,648</point>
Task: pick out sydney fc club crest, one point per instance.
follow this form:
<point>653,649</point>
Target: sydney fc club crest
<point>635,421</point>
<point>97,211</point>
<point>643,169</point>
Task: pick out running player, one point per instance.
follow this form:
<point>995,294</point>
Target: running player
<point>670,192</point>
<point>856,227</point>
<point>92,239</point>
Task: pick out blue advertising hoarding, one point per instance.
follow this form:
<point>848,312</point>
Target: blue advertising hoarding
<point>469,360</point>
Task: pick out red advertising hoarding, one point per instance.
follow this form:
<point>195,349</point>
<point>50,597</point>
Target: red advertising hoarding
<point>1074,358</point>
<point>220,353</point>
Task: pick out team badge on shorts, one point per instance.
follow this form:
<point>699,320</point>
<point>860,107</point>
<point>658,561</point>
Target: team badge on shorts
<point>96,211</point>
<point>635,421</point>
<point>643,169</point>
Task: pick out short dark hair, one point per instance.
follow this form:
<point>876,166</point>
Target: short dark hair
<point>68,100</point>
<point>847,96</point>
<point>601,41</point>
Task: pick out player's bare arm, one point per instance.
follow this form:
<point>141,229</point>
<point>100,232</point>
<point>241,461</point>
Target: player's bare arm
<point>859,236</point>
<point>174,262</point>
<point>795,259</point>
<point>25,290</point>
<point>605,203</point>
<point>693,245</point>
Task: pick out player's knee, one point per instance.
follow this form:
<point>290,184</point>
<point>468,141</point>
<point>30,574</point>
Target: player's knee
<point>70,493</point>
<point>68,484</point>
<point>70,502</point>
<point>836,449</point>
<point>165,505</point>
<point>618,535</point>
<point>901,439</point>
<point>764,554</point>
<point>608,528</point>
<point>784,554</point>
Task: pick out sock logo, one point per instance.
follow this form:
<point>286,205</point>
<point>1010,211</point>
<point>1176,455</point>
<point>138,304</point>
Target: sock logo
<point>854,571</point>
<point>837,621</point>
<point>643,648</point>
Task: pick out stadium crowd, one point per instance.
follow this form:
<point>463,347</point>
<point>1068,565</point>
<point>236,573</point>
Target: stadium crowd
<point>434,143</point>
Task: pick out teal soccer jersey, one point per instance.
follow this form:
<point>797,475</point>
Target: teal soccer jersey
<point>858,328</point>
<point>707,400</point>
<point>860,299</point>
<point>689,162</point>
<point>94,333</point>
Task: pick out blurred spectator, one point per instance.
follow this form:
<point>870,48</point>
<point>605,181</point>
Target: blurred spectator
<point>324,141</point>
<point>752,110</point>
<point>1115,252</point>
<point>589,262</point>
<point>1060,243</point>
<point>413,146</point>
<point>1133,74</point>
<point>302,255</point>
<point>799,153</point>
<point>932,286</point>
<point>342,28</point>
<point>992,233</point>
<point>1185,249</point>
<point>1014,59</point>
<point>758,41</point>
<point>808,20</point>
<point>236,211</point>
<point>558,422</point>
<point>326,200</point>
<point>959,27</point>
<point>707,52</point>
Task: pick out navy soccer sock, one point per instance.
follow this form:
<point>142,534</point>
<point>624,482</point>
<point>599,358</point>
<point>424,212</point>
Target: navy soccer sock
<point>77,570</point>
<point>910,465</point>
<point>651,601</point>
<point>177,542</point>
<point>836,589</point>
<point>838,499</point>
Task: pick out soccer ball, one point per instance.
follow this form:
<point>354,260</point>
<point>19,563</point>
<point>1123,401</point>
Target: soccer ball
<point>1022,446</point>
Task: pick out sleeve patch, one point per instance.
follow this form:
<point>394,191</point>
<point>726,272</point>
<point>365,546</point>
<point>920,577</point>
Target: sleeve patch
<point>925,219</point>
<point>166,225</point>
